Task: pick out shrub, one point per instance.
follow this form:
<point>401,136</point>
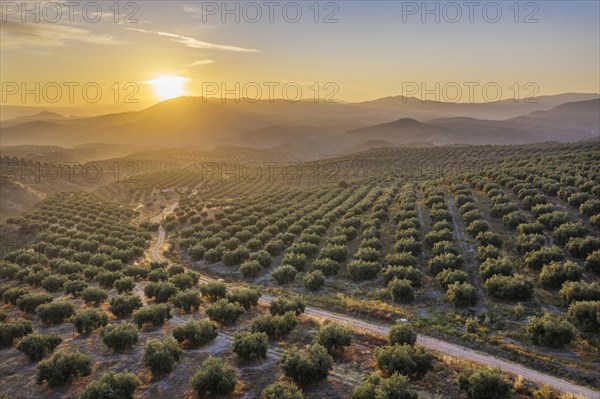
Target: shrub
<point>124,305</point>
<point>196,333</point>
<point>214,290</point>
<point>449,276</point>
<point>124,284</point>
<point>93,295</point>
<point>362,270</point>
<point>556,273</point>
<point>553,219</point>
<point>592,262</point>
<point>582,247</point>
<point>443,247</point>
<point>213,377</point>
<point>157,275</point>
<point>8,270</point>
<point>263,257</point>
<point>250,268</point>
<point>111,385</point>
<point>530,228</point>
<point>224,311</point>
<point>412,246</point>
<point>161,291</point>
<point>74,287</point>
<point>573,291</point>
<point>401,290</point>
<point>306,365</point>
<point>537,259</point>
<point>529,243</point>
<point>12,330</point>
<point>334,337</point>
<point>213,255</point>
<point>119,336</point>
<point>12,295</point>
<point>37,346</point>
<point>297,260</point>
<point>160,355</point>
<point>394,387</point>
<point>87,320</point>
<point>338,253</point>
<point>471,216</point>
<point>250,345</point>
<point>29,302</point>
<point>153,314</point>
<point>492,267</point>
<point>549,331</point>
<point>367,254</point>
<point>410,273</point>
<point>328,267</point>
<point>282,390</point>
<point>197,252</point>
<point>489,238</point>
<point>444,261</point>
<point>477,226</point>
<point>247,297</point>
<point>403,359</point>
<point>509,287</point>
<point>274,247</point>
<point>314,280</point>
<point>187,300</point>
<point>400,259</point>
<point>274,326</point>
<point>284,274</point>
<point>435,236</point>
<point>55,312</point>
<point>62,367</point>
<point>462,294</point>
<point>590,207</point>
<point>235,256</point>
<point>566,231</point>
<point>106,279</point>
<point>402,333</point>
<point>514,219</point>
<point>292,303</point>
<point>53,283</point>
<point>585,315</point>
<point>485,382</point>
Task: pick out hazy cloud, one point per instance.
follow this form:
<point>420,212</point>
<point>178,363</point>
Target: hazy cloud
<point>200,62</point>
<point>19,35</point>
<point>195,43</point>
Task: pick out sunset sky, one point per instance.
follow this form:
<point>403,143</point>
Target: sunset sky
<point>368,53</point>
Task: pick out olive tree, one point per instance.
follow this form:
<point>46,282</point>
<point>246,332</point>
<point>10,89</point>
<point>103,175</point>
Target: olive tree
<point>160,355</point>
<point>37,346</point>
<point>334,337</point>
<point>250,345</point>
<point>213,377</point>
<point>308,365</point>
<point>111,385</point>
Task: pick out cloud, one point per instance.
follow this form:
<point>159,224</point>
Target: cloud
<point>200,62</point>
<point>195,43</point>
<point>19,35</point>
<point>195,12</point>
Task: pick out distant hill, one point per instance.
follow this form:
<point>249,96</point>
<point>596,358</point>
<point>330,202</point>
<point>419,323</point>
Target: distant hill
<point>424,110</point>
<point>403,131</point>
<point>316,129</point>
<point>567,122</point>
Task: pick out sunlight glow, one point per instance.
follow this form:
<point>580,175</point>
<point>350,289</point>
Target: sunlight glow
<point>169,86</point>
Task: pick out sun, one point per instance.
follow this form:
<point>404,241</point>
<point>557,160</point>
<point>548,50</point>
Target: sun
<point>169,86</point>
